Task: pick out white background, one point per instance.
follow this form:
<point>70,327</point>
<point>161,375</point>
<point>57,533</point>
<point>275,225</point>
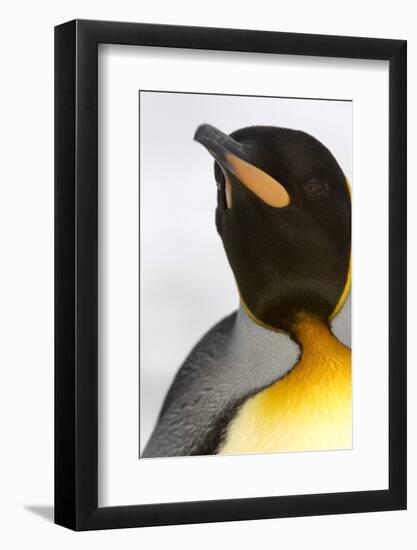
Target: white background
<point>186,278</point>
<point>27,273</point>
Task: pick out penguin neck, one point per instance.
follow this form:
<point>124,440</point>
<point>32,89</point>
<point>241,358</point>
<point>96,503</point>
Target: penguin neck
<point>249,328</point>
<point>314,336</point>
<point>307,331</point>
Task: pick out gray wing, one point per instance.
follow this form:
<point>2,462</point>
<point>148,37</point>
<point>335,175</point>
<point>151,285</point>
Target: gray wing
<point>192,404</point>
<point>234,360</point>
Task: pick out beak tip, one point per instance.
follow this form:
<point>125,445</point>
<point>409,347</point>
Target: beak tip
<point>200,132</point>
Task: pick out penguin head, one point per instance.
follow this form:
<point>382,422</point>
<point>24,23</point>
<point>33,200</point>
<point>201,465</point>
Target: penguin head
<point>284,216</point>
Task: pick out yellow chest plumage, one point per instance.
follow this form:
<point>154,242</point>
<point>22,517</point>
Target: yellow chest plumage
<point>309,409</point>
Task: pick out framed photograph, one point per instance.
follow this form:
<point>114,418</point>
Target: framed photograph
<point>230,252</point>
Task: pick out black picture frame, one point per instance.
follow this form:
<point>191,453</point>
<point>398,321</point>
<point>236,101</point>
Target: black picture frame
<point>76,272</point>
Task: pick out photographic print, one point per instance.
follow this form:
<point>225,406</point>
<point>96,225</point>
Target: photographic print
<point>245,274</point>
<point>213,190</point>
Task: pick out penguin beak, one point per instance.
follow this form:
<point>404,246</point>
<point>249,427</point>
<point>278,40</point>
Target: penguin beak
<point>234,157</point>
<point>218,144</point>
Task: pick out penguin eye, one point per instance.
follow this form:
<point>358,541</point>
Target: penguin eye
<point>315,188</point>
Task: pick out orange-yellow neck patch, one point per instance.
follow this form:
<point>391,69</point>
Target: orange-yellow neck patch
<point>309,409</point>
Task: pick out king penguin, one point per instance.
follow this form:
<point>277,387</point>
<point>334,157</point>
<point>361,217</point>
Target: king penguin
<point>275,376</point>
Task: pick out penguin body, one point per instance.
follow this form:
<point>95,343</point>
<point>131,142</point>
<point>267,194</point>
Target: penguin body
<point>308,409</point>
<point>273,376</point>
<point>236,360</point>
